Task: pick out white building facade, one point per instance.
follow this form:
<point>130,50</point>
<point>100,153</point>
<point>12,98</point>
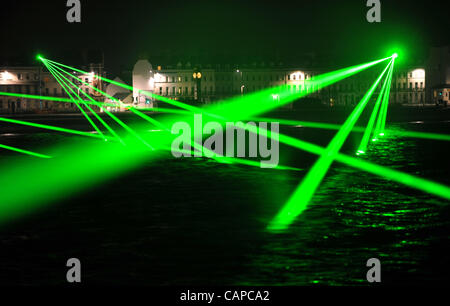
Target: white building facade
<point>39,82</point>
<point>180,83</point>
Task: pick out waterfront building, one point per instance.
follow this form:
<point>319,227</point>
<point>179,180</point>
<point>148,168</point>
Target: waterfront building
<point>37,81</point>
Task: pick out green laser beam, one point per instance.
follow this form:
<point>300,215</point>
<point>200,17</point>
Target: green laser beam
<point>67,81</point>
<point>365,140</point>
<point>164,110</point>
<point>379,129</point>
<point>35,97</point>
<point>144,92</point>
<point>70,96</point>
<point>24,151</point>
<point>231,160</point>
<point>110,167</point>
<point>299,200</point>
<point>200,147</point>
<point>358,129</point>
<point>307,124</point>
<point>256,103</point>
<point>75,167</point>
<point>147,118</point>
<point>388,92</point>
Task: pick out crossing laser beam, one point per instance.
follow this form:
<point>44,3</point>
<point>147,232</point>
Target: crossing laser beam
<point>80,169</point>
<point>365,139</point>
<point>147,118</point>
<point>66,81</point>
<point>299,200</point>
<point>73,99</point>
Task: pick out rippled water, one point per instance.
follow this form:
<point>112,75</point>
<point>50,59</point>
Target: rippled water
<point>193,221</point>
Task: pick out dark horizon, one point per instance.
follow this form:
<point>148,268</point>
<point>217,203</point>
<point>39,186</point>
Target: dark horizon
<point>125,32</point>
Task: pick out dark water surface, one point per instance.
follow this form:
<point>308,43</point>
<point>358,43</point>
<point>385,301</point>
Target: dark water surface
<point>194,221</point>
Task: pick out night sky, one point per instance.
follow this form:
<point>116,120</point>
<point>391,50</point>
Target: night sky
<point>127,30</point>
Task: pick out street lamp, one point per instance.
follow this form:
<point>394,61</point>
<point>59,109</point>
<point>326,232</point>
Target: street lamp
<point>197,75</point>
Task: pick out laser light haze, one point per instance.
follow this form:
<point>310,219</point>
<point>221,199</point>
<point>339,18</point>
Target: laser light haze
<point>213,146</point>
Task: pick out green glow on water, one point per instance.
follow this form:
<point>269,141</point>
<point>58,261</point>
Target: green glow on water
<point>358,129</point>
<point>50,127</point>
